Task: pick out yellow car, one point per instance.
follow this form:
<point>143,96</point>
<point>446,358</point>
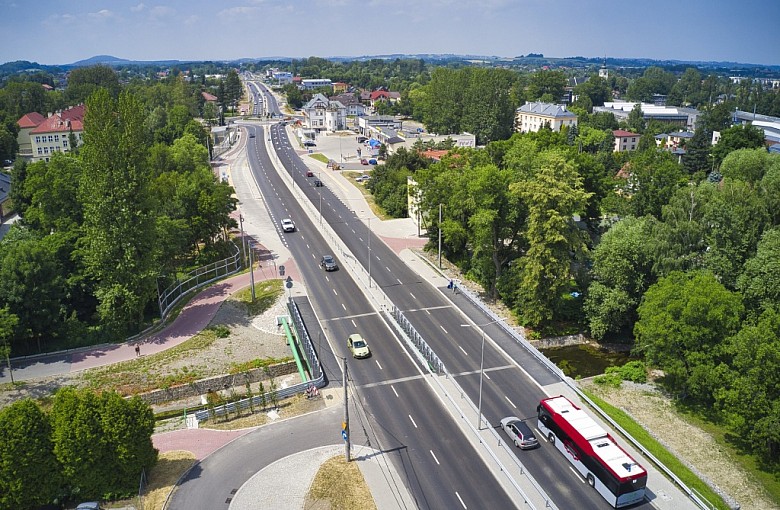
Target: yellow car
<point>358,346</point>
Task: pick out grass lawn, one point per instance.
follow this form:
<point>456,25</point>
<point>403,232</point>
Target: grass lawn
<point>662,454</point>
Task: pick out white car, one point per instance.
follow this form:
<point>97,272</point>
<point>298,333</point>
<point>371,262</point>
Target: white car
<point>288,225</point>
<point>358,346</point>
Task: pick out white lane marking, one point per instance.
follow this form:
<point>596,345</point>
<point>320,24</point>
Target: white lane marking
<point>442,328</point>
<point>461,501</point>
<point>412,419</point>
<point>412,295</point>
<point>344,307</point>
<point>434,458</point>
<point>396,393</point>
<point>388,269</point>
<point>380,366</point>
<point>464,350</point>
<point>510,402</point>
<point>353,324</point>
<point>487,376</point>
<point>334,291</point>
<point>577,474</point>
<point>399,281</point>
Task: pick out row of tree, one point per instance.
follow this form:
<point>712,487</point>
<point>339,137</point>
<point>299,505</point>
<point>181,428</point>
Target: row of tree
<point>102,228</point>
<point>85,447</point>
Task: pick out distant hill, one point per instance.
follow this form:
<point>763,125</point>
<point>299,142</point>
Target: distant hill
<point>100,59</point>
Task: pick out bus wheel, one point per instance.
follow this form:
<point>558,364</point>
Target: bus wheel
<point>591,480</point>
<point>551,437</point>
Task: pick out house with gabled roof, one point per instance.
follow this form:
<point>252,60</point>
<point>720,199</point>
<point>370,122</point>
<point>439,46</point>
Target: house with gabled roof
<point>533,116</point>
<point>320,114</point>
<point>53,134</point>
<point>27,123</point>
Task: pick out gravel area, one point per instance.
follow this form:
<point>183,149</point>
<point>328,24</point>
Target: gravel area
<point>695,447</point>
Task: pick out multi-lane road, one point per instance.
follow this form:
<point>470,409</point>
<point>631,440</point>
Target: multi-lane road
<point>402,415</point>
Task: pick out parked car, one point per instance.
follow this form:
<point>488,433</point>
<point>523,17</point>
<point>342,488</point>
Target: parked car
<point>372,161</point>
<point>288,225</point>
<point>309,143</point>
<point>309,173</point>
<point>358,346</point>
<point>364,161</point>
<point>318,183</point>
<point>91,505</point>
<point>519,433</point>
<point>362,178</point>
<point>328,263</point>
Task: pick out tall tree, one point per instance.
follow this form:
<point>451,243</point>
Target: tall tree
<point>547,83</point>
<point>684,320</point>
<point>118,228</point>
<point>737,137</point>
<point>29,471</point>
<point>553,194</point>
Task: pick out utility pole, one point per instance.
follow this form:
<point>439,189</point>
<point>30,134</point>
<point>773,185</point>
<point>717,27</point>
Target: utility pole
<point>345,431</point>
<point>439,236</point>
<point>252,272</point>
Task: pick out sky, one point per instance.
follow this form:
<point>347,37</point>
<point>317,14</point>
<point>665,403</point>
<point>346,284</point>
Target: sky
<point>66,31</point>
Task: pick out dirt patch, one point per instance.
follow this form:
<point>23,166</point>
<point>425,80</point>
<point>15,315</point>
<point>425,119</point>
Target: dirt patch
<point>249,338</point>
<point>695,447</point>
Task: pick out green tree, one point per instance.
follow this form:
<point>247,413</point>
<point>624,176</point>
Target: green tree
<point>655,177</point>
<point>622,271</point>
<point>551,83</point>
<point>32,289</point>
<point>553,194</point>
<point>636,119</point>
<point>29,471</point>
<point>596,89</point>
<point>749,397</point>
<point>684,319</point>
<point>84,81</point>
<point>233,91</point>
<point>759,283</point>
<point>748,165</point>
<point>769,187</point>
<point>687,90</point>
<point>737,137</point>
<point>118,236</point>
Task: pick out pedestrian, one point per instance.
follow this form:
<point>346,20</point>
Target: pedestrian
<point>137,349</point>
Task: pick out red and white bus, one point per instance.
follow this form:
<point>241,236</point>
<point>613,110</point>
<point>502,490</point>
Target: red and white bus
<point>592,451</point>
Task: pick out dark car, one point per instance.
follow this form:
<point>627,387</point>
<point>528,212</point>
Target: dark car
<point>251,135</point>
<point>519,433</point>
<point>309,173</point>
<point>318,183</point>
<point>328,263</point>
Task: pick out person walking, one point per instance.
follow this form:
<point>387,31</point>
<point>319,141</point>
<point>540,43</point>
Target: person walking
<point>137,349</point>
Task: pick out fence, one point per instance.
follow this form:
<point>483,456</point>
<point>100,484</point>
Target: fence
<point>518,337</point>
<point>198,278</point>
<point>317,376</point>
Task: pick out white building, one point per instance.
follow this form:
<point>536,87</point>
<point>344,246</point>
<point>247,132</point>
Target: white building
<point>315,83</point>
<point>625,140</point>
<point>532,117</point>
<point>322,114</point>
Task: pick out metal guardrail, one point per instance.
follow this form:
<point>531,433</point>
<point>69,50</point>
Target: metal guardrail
<point>197,278</point>
<point>518,337</point>
<point>423,349</point>
<point>317,379</point>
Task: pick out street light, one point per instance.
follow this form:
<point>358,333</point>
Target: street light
<point>481,365</point>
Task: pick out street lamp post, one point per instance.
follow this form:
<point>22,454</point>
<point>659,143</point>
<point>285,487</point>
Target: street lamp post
<point>481,366</point>
<point>369,252</point>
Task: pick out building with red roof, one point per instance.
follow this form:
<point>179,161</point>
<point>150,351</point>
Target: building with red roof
<point>625,140</point>
<point>40,137</point>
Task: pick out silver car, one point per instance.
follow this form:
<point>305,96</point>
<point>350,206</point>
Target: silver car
<point>519,433</point>
<point>288,225</point>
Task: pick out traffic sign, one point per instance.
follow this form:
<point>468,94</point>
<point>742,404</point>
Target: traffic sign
<point>344,434</point>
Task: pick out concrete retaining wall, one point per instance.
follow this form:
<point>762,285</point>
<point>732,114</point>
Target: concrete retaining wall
<point>217,383</point>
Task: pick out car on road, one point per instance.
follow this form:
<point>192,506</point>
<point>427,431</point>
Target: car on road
<point>318,183</point>
<point>364,161</point>
<point>251,135</point>
<point>309,143</point>
<point>328,263</point>
<point>372,161</point>
<point>358,346</point>
<point>288,225</point>
<point>309,173</point>
<point>519,433</point>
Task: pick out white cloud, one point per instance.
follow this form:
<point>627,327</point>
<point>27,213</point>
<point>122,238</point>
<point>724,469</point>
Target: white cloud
<point>191,20</point>
<point>235,14</point>
<point>159,12</point>
<point>138,8</point>
<point>60,19</point>
<point>101,14</point>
